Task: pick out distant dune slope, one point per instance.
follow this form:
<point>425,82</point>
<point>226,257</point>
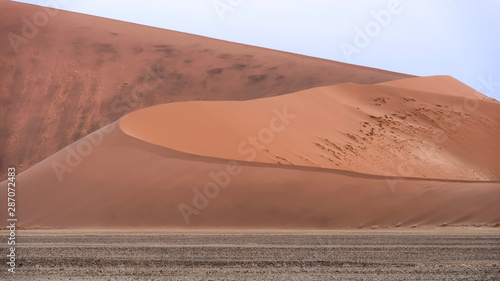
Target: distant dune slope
<point>75,73</point>
<point>446,85</point>
<point>174,165</point>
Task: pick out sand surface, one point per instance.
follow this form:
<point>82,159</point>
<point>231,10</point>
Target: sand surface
<point>153,167</point>
<point>373,129</point>
<point>439,254</point>
<point>77,73</point>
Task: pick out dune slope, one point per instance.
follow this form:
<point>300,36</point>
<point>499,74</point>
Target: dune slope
<point>75,73</point>
<point>143,171</point>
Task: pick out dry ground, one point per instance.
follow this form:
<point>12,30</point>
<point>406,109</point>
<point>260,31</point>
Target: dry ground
<point>403,254</point>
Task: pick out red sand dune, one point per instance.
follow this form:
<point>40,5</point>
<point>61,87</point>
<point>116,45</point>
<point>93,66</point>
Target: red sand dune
<point>171,164</point>
<point>374,129</point>
<point>77,72</point>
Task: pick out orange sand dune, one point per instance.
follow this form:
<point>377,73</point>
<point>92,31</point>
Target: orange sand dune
<point>174,165</point>
<point>76,73</point>
<point>372,129</point>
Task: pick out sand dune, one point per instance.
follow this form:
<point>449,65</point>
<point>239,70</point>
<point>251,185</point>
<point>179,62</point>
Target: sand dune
<point>177,165</point>
<point>76,73</point>
<point>349,147</point>
<point>372,129</point>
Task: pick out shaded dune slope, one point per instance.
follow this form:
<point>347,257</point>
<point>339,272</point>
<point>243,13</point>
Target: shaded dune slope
<point>119,176</point>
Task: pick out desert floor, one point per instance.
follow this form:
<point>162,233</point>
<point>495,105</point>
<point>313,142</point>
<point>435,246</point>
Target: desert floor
<point>380,254</point>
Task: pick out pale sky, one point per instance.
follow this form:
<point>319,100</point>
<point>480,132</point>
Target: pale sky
<point>460,38</point>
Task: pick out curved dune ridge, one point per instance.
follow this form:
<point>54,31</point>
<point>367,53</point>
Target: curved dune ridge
<point>373,129</point>
<point>178,165</point>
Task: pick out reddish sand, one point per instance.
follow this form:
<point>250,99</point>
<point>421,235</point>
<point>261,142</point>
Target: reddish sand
<point>372,129</point>
<point>79,72</point>
<point>416,151</point>
<point>170,164</point>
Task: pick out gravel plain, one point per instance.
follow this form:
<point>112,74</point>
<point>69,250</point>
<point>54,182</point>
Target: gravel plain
<point>381,254</point>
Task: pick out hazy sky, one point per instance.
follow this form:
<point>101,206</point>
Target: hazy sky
<point>460,38</point>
